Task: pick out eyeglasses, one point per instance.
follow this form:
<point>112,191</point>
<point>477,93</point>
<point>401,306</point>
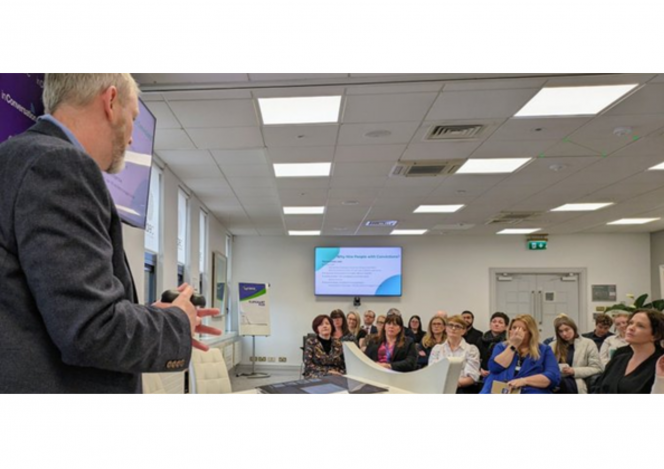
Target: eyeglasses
<point>380,322</point>
<point>456,327</point>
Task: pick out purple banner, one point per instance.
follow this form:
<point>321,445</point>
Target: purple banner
<point>20,102</point>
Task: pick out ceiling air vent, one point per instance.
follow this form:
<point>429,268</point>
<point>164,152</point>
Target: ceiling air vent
<point>426,168</point>
<point>381,223</point>
<point>454,132</point>
<point>511,218</point>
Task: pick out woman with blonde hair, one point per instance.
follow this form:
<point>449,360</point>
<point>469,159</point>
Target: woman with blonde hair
<point>522,362</point>
<point>577,357</point>
<point>355,325</point>
<point>435,335</point>
<point>613,343</point>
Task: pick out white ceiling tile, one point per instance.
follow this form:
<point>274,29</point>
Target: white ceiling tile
<point>302,183</point>
<point>294,76</point>
<point>196,171</point>
<point>300,135</point>
<point>387,108</point>
<point>355,134</point>
<point>653,146</point>
<point>267,182</point>
<point>440,151</point>
<point>423,87</point>
<point>415,181</point>
<point>194,95</point>
<point>248,170</point>
<point>227,138</point>
<point>221,113</point>
<point>599,79</point>
<point>148,97</point>
<point>248,201</point>
<point>188,78</point>
<point>368,153</point>
<point>393,192</point>
<point>512,148</point>
<point>567,148</point>
<point>647,100</point>
<point>271,231</point>
<point>303,222</point>
<point>353,182</point>
<point>209,186</point>
<point>184,157</point>
<point>252,191</point>
<point>362,169</point>
<point>519,128</point>
<point>239,157</point>
<point>242,231</point>
<point>480,104</point>
<point>658,78</point>
<point>172,139</point>
<point>336,214</point>
<point>297,92</point>
<point>602,128</point>
<point>163,114</point>
<point>495,84</point>
<point>301,154</point>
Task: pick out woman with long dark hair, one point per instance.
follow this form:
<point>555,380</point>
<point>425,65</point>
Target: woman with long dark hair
<point>414,330</point>
<point>393,350</point>
<point>340,326</point>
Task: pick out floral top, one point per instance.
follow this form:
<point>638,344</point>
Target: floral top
<point>317,363</point>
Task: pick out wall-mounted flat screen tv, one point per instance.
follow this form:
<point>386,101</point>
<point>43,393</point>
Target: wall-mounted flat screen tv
<point>357,271</point>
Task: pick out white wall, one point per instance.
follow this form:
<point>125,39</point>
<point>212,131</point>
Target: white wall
<point>450,273</point>
<point>656,259</point>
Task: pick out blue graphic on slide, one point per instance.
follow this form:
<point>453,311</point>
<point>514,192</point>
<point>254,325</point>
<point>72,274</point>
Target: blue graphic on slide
<point>358,271</point>
<point>324,256</point>
<point>390,287</point>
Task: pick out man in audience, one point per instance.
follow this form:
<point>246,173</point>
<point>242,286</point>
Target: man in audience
<point>441,314</point>
<point>368,326</point>
<point>393,312</point>
<point>69,322</point>
<point>472,335</point>
<point>603,323</point>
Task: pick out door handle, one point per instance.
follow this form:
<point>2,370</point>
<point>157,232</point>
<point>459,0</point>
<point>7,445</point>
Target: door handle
<point>541,308</point>
<point>533,303</point>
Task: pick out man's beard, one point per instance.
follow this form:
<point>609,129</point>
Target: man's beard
<point>118,151</point>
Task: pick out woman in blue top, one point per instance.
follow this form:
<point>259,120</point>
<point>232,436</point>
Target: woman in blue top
<point>522,362</point>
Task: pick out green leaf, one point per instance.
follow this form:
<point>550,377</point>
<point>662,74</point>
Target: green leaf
<point>640,300</point>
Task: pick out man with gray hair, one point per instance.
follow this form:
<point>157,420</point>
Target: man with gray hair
<point>69,321</point>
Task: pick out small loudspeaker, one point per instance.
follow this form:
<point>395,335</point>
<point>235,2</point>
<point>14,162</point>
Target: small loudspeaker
<point>356,301</point>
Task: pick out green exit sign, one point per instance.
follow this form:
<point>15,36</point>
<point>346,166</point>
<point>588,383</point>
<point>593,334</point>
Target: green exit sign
<point>537,245</point>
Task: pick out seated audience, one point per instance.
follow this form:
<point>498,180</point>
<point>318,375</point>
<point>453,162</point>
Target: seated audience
<point>340,326</point>
<point>380,323</point>
<point>472,335</point>
<point>393,350</point>
<point>354,327</point>
<point>632,368</point>
<point>497,333</point>
<point>522,362</point>
<point>435,335</point>
<point>658,387</point>
<point>393,311</point>
<point>613,343</point>
<point>456,346</point>
<point>414,330</point>
<point>577,357</point>
<point>323,355</point>
<point>603,323</point>
<point>368,326</point>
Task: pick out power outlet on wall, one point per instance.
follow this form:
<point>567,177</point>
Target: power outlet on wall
<point>261,359</point>
<point>282,359</point>
<point>271,359</point>
<point>252,359</point>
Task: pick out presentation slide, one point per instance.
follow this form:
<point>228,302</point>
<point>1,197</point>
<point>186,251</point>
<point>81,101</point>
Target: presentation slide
<point>358,271</point>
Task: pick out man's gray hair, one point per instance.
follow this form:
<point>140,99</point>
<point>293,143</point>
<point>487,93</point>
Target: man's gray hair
<point>393,311</point>
<point>78,89</point>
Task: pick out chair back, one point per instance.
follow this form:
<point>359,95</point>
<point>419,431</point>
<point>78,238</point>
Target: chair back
<point>210,375</point>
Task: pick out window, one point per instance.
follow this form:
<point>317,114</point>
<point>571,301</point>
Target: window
<point>183,218</point>
<point>152,237</point>
<point>202,254</point>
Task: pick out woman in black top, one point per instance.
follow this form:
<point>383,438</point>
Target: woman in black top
<point>435,335</point>
<point>632,368</point>
<point>393,350</point>
<point>323,354</point>
<point>414,330</point>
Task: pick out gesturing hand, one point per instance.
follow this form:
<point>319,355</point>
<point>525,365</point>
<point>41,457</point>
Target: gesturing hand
<point>183,301</point>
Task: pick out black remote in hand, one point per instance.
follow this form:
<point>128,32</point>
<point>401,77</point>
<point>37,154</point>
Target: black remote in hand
<point>170,295</point>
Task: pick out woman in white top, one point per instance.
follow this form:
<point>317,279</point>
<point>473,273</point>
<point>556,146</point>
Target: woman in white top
<point>613,343</point>
<point>456,346</point>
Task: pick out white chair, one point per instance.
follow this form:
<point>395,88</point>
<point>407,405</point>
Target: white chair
<point>209,374</point>
<point>152,384</point>
<point>441,377</point>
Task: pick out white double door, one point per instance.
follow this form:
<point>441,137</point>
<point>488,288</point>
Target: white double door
<point>543,296</point>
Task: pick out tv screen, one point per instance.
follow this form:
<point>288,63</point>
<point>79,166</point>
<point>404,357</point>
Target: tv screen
<point>130,188</point>
<point>357,271</point>
<point>21,104</point>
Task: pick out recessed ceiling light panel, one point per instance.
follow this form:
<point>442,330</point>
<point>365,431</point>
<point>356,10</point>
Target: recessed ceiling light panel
<point>303,110</point>
<point>438,208</point>
<point>581,207</point>
<point>492,165</point>
<point>633,221</point>
<point>294,170</point>
<point>573,100</point>
<point>518,231</point>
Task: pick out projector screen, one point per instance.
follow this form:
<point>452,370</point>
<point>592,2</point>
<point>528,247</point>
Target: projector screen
<point>357,271</point>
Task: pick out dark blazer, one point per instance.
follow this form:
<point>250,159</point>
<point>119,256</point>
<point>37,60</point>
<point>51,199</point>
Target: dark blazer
<point>473,336</point>
<point>68,318</point>
<point>639,381</point>
<point>404,358</point>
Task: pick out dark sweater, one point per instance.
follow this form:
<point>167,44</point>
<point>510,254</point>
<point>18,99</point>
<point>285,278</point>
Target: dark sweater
<point>639,381</point>
<point>404,358</point>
